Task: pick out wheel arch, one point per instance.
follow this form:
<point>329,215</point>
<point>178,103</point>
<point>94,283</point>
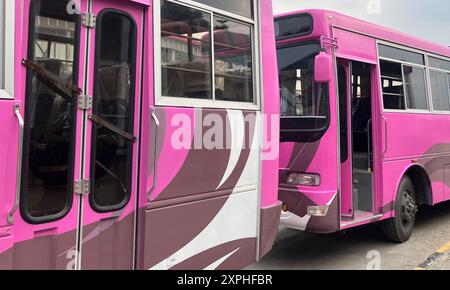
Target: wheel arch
<point>421,182</point>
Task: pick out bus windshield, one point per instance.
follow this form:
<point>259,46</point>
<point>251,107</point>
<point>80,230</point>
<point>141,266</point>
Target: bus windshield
<point>304,103</point>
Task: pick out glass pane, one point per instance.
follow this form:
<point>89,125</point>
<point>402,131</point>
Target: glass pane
<point>298,95</point>
<point>440,90</point>
<point>2,44</point>
<point>400,54</point>
<point>416,90</point>
<point>240,7</point>
<point>294,26</point>
<point>392,82</point>
<point>112,155</point>
<point>439,63</point>
<point>233,61</point>
<point>50,117</point>
<point>186,52</point>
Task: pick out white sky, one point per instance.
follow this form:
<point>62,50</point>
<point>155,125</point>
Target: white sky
<point>428,19</point>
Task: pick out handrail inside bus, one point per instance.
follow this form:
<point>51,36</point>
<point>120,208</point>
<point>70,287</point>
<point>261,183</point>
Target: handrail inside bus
<point>19,163</point>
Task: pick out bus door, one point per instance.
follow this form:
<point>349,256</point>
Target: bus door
<point>356,135</point>
<point>43,212</point>
<point>111,139</point>
<point>79,118</point>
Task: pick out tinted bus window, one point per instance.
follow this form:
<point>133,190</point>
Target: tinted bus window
<point>240,7</point>
<point>299,25</point>
<point>401,55</point>
<point>185,52</point>
<point>111,164</point>
<point>415,88</point>
<point>304,103</point>
<point>439,63</point>
<point>440,88</point>
<point>47,176</point>
<point>233,60</point>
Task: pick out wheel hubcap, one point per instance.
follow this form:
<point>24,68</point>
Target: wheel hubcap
<point>409,208</point>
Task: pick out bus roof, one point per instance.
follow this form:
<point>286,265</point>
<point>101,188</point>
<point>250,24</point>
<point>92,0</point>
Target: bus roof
<point>324,18</point>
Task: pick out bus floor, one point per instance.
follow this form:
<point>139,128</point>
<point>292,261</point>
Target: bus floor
<point>365,247</point>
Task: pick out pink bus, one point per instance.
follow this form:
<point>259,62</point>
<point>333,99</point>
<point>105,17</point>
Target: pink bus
<point>365,113</point>
<point>106,110</point>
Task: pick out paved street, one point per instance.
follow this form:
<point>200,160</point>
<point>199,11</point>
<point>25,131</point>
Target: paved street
<point>362,247</point>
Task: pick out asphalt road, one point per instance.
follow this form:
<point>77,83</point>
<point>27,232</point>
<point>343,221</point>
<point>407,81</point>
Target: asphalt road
<point>365,247</point>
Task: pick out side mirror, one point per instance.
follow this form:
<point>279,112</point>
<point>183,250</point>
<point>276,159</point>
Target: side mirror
<point>323,68</point>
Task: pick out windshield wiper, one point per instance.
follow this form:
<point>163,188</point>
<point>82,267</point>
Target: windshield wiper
<point>64,88</point>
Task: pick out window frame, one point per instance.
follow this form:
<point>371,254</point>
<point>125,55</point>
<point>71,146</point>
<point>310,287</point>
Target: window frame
<point>404,63</point>
<point>98,38</point>
<point>432,69</point>
<point>167,101</point>
<point>447,73</point>
<point>426,82</point>
<point>27,137</point>
<point>8,91</point>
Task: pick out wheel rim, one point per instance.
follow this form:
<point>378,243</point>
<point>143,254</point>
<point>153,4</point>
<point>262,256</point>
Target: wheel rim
<point>408,209</point>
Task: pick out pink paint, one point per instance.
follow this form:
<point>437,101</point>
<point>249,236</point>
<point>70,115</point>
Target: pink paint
<point>414,140</point>
<point>102,234</point>
<point>271,104</point>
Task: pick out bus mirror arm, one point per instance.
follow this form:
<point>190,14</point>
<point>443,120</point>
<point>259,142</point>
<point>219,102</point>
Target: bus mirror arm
<point>155,154</point>
<point>19,163</point>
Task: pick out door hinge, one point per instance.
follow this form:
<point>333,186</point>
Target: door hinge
<point>89,20</point>
<point>82,187</point>
<point>85,102</point>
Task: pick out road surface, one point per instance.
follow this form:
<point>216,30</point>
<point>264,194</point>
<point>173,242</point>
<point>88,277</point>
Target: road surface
<point>365,248</point>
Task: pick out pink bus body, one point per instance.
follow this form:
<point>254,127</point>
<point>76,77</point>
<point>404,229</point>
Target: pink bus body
<point>396,88</point>
<point>101,185</point>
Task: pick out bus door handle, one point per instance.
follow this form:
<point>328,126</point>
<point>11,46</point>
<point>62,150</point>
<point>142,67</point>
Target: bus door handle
<point>385,134</point>
<point>155,154</point>
<point>19,163</point>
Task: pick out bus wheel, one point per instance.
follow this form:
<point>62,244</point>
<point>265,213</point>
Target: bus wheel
<point>400,228</point>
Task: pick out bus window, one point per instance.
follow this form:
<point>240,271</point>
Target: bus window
<point>47,174</point>
<point>439,63</point>
<point>440,89</point>
<point>112,154</point>
<point>415,88</point>
<point>233,61</point>
<point>401,54</point>
<point>392,82</point>
<point>186,53</point>
<point>240,7</point>
<point>304,103</point>
<point>298,25</point>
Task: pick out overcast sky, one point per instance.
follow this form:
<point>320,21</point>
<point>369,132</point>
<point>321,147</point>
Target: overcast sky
<point>429,19</point>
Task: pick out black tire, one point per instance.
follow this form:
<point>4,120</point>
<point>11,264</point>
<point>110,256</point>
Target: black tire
<point>400,228</point>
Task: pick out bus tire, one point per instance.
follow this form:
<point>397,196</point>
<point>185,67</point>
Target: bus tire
<point>400,228</point>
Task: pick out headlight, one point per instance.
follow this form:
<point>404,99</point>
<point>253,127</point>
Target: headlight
<point>303,179</point>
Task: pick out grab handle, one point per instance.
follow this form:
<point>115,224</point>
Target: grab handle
<point>369,145</point>
<point>385,134</point>
<point>19,163</point>
<point>155,154</point>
